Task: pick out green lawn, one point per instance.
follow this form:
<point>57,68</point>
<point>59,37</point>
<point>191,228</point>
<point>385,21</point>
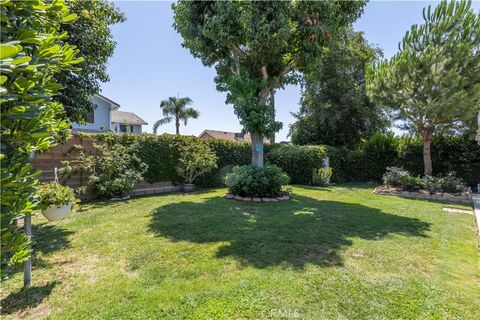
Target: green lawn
<point>331,253</point>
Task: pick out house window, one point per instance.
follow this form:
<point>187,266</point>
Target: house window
<point>123,128</point>
<point>91,116</point>
<point>131,128</point>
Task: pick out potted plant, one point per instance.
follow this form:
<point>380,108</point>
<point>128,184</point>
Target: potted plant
<point>56,201</point>
<point>195,159</point>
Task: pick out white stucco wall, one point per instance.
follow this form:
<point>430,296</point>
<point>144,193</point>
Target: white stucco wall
<point>101,117</point>
<point>131,128</point>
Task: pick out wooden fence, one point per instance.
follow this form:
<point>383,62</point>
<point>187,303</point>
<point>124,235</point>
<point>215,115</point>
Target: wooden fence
<point>48,161</point>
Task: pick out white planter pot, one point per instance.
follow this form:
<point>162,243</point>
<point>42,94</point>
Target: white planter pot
<point>188,187</point>
<point>54,213</point>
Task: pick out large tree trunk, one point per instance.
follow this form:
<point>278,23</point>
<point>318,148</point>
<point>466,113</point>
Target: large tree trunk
<point>272,101</point>
<point>257,149</point>
<point>177,127</point>
<point>427,158</point>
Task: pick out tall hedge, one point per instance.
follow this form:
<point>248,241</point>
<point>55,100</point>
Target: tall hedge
<point>230,154</point>
<point>297,161</point>
<point>367,162</point>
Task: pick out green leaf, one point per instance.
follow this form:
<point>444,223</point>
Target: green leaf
<point>7,51</point>
<point>21,60</point>
<point>71,17</point>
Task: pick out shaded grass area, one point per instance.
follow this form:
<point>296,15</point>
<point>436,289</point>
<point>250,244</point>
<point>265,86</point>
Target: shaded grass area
<point>336,252</point>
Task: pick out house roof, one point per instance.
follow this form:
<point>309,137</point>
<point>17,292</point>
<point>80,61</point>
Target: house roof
<point>126,117</point>
<point>114,104</point>
<point>226,135</point>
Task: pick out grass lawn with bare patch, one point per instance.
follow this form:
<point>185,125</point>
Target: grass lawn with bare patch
<point>338,252</point>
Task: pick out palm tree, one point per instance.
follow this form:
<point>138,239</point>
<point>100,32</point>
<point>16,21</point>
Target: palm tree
<point>176,109</point>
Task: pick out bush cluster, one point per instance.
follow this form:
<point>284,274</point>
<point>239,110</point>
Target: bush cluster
<point>253,181</point>
<point>400,178</point>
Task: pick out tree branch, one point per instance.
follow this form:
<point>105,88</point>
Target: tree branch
<point>239,51</point>
<point>264,72</point>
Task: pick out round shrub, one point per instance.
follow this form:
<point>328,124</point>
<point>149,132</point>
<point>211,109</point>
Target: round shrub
<point>253,181</point>
<point>450,183</point>
<point>393,176</point>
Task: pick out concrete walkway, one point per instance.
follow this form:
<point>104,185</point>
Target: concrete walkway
<point>476,211</point>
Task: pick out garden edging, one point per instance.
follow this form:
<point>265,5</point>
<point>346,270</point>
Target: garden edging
<point>461,199</point>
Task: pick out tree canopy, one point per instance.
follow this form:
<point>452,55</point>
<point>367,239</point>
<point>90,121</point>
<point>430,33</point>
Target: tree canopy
<point>256,47</point>
<point>91,34</point>
<point>433,83</point>
<point>335,109</point>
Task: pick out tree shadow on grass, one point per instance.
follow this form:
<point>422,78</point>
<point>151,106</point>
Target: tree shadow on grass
<point>291,233</point>
<point>26,298</point>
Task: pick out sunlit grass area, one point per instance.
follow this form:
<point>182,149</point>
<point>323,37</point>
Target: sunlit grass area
<point>337,252</point>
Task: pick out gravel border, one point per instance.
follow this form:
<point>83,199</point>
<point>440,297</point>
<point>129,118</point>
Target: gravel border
<point>462,199</point>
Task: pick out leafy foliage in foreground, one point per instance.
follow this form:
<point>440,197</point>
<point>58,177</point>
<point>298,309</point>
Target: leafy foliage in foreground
<point>32,51</point>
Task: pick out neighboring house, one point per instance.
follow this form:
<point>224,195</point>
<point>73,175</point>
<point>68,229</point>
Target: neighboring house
<point>225,135</point>
<point>126,122</point>
<point>106,117</point>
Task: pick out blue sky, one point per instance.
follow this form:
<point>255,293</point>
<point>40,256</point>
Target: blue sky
<point>150,65</point>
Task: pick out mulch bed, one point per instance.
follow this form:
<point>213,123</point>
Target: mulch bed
<point>285,196</point>
<point>422,194</point>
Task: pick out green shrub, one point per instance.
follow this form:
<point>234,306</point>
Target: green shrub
<point>113,168</point>
<point>450,183</point>
<point>322,176</point>
<point>195,158</point>
<point>253,181</point>
<point>116,171</point>
<point>297,161</point>
<point>53,193</point>
<point>410,183</point>
<point>432,184</point>
<point>393,176</point>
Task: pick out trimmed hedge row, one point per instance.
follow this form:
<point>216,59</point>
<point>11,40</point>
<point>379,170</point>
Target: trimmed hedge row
<point>368,162</point>
<point>297,161</point>
<point>365,163</point>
